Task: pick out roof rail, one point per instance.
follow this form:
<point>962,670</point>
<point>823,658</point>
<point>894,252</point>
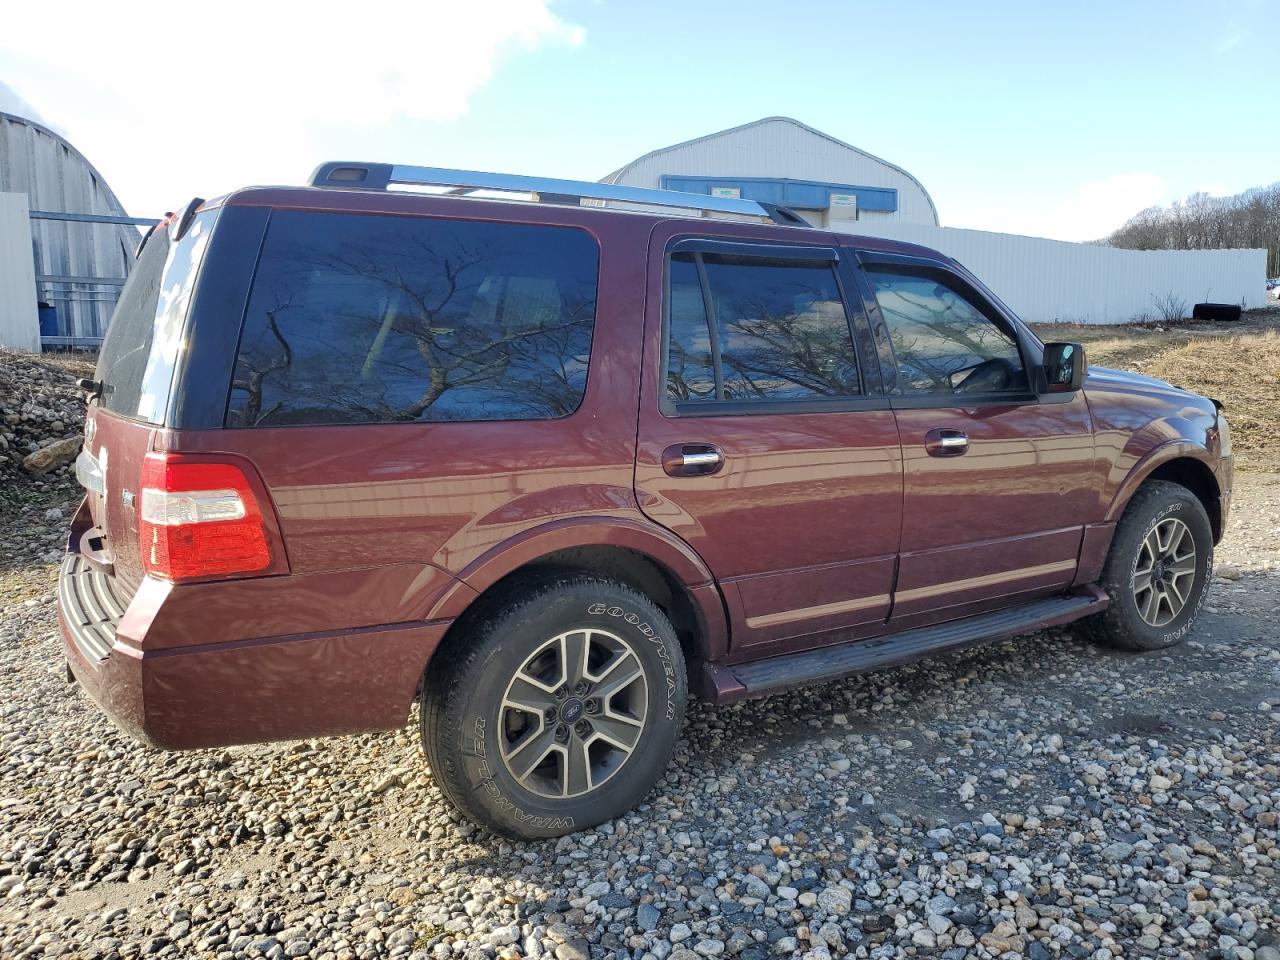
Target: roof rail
<point>381,176</point>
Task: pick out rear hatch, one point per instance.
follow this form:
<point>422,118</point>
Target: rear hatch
<point>133,383</point>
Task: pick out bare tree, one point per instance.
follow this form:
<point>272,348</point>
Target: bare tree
<point>1200,222</point>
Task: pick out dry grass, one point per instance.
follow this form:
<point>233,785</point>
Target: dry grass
<point>1238,364</point>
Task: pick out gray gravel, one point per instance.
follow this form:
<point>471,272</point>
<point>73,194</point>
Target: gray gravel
<point>1035,799</point>
<point>1039,798</point>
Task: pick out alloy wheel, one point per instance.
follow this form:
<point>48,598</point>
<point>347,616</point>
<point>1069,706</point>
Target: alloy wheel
<point>1164,572</point>
<point>573,713</point>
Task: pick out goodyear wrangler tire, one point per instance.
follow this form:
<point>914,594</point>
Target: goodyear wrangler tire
<point>1157,571</point>
<point>557,711</point>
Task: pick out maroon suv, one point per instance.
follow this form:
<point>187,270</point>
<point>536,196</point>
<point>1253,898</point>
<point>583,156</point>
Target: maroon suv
<point>547,463</point>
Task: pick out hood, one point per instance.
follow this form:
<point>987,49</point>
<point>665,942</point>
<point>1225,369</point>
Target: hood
<point>1124,381</point>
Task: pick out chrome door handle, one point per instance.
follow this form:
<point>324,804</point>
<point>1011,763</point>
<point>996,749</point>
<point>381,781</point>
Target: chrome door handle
<point>692,460</point>
<point>946,443</point>
<point>696,461</point>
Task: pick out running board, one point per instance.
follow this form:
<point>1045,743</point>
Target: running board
<point>761,677</point>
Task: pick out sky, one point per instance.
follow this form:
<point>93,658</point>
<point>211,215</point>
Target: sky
<point>1046,119</point>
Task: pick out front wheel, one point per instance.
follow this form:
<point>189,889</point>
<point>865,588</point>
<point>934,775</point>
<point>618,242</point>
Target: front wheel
<point>1157,571</point>
<point>557,711</point>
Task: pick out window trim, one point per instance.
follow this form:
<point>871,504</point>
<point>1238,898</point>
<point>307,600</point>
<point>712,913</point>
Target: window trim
<point>764,252</point>
<point>922,267</point>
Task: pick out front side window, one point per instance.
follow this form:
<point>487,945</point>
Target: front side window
<point>378,319</point>
<point>777,330</point>
<point>942,342</point>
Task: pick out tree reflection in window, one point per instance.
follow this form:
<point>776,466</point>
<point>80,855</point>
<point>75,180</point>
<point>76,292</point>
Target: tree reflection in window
<point>781,327</point>
<point>379,319</point>
<point>937,334</point>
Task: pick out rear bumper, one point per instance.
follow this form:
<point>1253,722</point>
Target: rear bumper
<point>243,691</point>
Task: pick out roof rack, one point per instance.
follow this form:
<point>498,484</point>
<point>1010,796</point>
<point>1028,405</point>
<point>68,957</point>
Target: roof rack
<point>460,183</point>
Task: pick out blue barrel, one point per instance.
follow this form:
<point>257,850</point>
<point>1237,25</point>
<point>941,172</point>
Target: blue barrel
<point>48,320</point>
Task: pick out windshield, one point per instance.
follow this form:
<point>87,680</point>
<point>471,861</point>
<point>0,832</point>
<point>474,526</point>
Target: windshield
<point>141,347</point>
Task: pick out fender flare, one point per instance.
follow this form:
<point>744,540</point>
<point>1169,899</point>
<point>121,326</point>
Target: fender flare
<point>1150,462</point>
<point>651,541</point>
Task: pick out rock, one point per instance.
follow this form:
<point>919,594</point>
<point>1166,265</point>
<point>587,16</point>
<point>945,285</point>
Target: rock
<point>924,938</point>
<point>647,917</point>
<point>1227,572</point>
<point>52,456</point>
<point>1115,852</point>
<point>835,900</point>
<point>501,936</point>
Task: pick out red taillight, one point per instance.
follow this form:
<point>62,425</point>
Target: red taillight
<point>199,519</point>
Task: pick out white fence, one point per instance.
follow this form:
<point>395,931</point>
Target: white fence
<point>1054,281</point>
<point>19,321</point>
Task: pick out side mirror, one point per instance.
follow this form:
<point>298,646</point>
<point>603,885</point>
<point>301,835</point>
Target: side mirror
<point>1064,367</point>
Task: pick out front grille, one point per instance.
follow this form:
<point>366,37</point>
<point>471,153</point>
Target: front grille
<point>91,605</point>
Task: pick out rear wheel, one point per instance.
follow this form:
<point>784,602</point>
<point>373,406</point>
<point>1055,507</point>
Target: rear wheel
<point>1157,571</point>
<point>556,711</point>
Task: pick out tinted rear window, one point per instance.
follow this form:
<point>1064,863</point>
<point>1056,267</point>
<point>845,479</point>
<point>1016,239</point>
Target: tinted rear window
<point>780,331</point>
<point>141,346</point>
<point>375,319</point>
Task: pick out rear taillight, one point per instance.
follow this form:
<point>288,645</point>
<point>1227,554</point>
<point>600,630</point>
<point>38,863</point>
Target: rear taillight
<point>199,519</point>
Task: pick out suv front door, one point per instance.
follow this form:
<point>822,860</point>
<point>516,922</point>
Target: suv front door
<point>999,481</point>
<point>761,441</point>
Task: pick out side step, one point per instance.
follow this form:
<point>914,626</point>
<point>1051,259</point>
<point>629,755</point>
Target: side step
<point>761,677</point>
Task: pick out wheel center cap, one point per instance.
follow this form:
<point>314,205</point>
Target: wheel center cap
<point>1158,573</point>
<point>571,710</point>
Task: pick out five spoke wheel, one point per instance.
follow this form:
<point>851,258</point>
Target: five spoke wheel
<point>573,713</point>
<point>1164,572</point>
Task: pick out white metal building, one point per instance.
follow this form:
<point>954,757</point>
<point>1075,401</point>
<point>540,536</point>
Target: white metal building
<point>780,160</point>
<point>841,187</point>
<point>64,219</point>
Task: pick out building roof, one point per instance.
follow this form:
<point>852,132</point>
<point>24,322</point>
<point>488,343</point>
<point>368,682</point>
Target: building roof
<point>617,175</point>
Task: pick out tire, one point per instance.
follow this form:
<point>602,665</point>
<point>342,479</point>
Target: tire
<point>1140,619</point>
<point>481,733</point>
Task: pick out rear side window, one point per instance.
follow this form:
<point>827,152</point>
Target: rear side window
<point>745,328</point>
<point>378,319</point>
<point>140,349</point>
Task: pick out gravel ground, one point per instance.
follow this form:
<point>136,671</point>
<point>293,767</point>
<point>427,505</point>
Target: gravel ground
<point>1036,798</point>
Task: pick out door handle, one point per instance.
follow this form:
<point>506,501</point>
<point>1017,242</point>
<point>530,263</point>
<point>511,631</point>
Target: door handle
<point>946,443</point>
<point>692,460</point>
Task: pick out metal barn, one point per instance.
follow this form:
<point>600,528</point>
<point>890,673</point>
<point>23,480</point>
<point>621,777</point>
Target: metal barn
<point>779,160</point>
<point>82,252</point>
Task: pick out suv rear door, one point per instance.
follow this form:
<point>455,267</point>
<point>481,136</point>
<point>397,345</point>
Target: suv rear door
<point>134,377</point>
<point>762,441</point>
<point>999,481</point>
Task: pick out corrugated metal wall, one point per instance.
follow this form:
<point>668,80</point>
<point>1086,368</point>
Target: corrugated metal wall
<point>19,325</point>
<point>56,177</point>
<point>781,147</point>
<point>1054,281</point>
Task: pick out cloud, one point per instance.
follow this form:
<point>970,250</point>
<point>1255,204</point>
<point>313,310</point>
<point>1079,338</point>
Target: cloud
<point>12,103</point>
<point>254,86</point>
<point>1089,212</point>
<point>1228,43</point>
<point>1097,208</point>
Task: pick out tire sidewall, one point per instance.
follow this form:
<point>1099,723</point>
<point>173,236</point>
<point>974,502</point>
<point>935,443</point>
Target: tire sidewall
<point>523,630</point>
<point>1184,507</point>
